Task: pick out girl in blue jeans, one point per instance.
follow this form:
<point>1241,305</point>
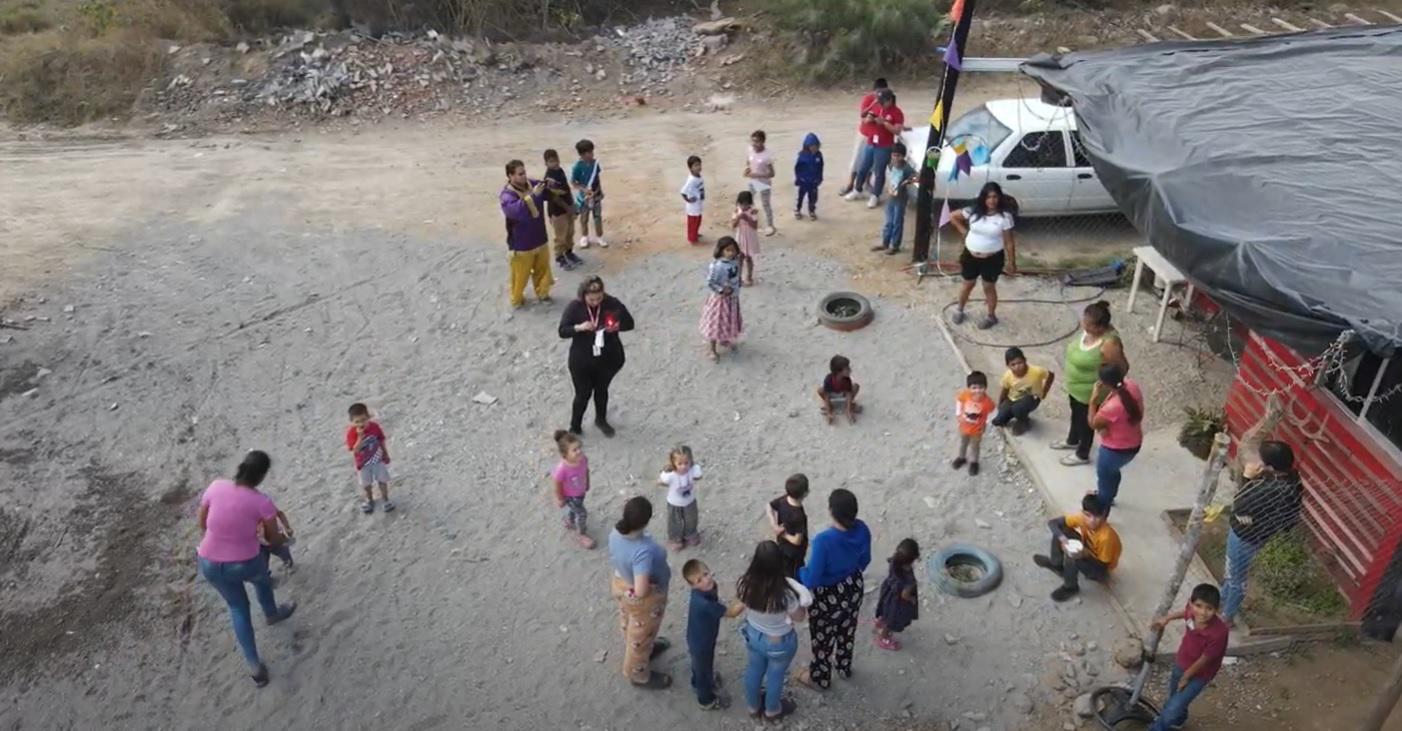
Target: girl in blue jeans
<point>230,554</point>
<point>773,602</point>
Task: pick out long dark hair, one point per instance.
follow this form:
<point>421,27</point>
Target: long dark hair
<point>1099,313</point>
<point>637,512</point>
<point>981,205</point>
<point>1111,376</point>
<point>764,587</point>
<point>253,469</point>
<point>842,505</point>
<point>907,553</point>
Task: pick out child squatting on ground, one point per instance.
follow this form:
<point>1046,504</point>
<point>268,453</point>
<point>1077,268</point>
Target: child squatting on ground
<point>972,407</point>
<point>694,195</point>
<point>808,175</point>
<point>1023,388</point>
<point>571,478</point>
<point>1082,544</point>
<point>899,602</point>
<point>588,194</point>
<point>679,477</point>
<point>559,204</point>
<point>370,447</point>
<point>838,392</point>
<point>703,616</point>
<point>745,221</point>
<point>721,321</point>
<point>1199,655</point>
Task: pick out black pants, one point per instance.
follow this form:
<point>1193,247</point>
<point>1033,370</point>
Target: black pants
<point>1080,434</point>
<point>591,380</point>
<point>832,623</point>
<point>1019,410</point>
<point>1073,569</point>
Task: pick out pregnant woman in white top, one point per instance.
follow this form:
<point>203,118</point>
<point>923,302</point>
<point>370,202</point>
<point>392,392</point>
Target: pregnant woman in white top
<point>989,249</point>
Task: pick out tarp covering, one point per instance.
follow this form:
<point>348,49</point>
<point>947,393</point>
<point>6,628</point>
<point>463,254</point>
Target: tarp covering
<point>1268,169</point>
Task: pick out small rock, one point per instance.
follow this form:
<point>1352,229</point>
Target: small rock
<point>1082,707</point>
<point>173,50</point>
<point>242,47</point>
<point>1165,9</point>
<point>41,373</point>
<point>1092,647</point>
<point>484,398</point>
<point>143,334</point>
<point>1021,703</point>
<point>1076,649</point>
<point>1128,653</point>
<point>1015,600</point>
<point>69,308</point>
<point>31,393</point>
<point>950,639</point>
<point>982,523</point>
<point>113,407</point>
<point>1068,726</point>
<point>601,74</point>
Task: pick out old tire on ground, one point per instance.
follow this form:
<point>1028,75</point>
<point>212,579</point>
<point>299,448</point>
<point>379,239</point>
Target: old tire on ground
<point>984,570</point>
<point>845,311</point>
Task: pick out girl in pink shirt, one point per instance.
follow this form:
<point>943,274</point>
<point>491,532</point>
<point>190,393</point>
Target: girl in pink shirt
<point>230,555</point>
<point>746,223</point>
<point>571,479</point>
<point>1117,412</point>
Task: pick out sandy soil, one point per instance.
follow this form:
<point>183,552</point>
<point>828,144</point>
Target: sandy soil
<point>239,293</point>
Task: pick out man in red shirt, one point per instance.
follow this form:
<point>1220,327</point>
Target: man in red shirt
<point>864,132</point>
<point>886,121</point>
<point>1199,655</point>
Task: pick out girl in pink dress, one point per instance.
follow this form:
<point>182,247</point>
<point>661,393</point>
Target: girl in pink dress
<point>720,317</point>
<point>746,223</point>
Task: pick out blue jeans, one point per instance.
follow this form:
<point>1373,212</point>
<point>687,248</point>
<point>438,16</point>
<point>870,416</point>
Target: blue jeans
<point>1108,463</point>
<point>770,658</point>
<point>874,163</point>
<point>894,230</point>
<point>1240,553</point>
<point>228,579</point>
<point>809,192</point>
<point>1175,709</point>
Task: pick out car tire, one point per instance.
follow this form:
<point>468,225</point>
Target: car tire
<point>846,321</point>
<point>964,554</point>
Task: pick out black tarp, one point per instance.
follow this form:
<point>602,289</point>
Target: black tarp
<point>1268,169</point>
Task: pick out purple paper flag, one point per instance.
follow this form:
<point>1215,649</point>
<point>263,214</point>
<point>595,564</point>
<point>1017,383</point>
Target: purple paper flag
<point>945,215</point>
<point>964,163</point>
<point>951,57</point>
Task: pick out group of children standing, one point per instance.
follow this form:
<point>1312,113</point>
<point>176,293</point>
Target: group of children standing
<point>580,194</point>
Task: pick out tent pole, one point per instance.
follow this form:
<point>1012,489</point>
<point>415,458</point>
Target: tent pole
<point>925,211</point>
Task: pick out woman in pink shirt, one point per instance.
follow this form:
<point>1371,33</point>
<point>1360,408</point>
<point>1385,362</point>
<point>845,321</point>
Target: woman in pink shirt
<point>1117,412</point>
<point>231,512</point>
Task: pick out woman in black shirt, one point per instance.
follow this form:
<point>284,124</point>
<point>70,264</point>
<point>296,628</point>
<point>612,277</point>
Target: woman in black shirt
<point>592,323</point>
<point>1268,504</point>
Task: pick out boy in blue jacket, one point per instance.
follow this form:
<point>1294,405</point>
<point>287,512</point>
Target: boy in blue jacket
<point>808,175</point>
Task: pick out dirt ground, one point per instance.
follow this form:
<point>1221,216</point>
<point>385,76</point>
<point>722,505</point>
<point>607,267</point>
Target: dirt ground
<point>185,301</point>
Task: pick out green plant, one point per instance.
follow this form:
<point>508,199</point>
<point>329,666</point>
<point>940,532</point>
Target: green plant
<point>1290,575</point>
<point>1200,429</point>
<point>26,17</point>
<point>842,38</point>
<point>98,15</point>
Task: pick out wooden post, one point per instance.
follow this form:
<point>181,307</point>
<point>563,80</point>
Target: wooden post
<point>1387,700</point>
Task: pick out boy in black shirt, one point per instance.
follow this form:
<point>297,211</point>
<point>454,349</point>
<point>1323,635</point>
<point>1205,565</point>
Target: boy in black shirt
<point>702,627</point>
<point>559,206</point>
<point>790,523</point>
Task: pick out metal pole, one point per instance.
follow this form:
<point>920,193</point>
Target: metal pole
<point>1387,700</point>
<point>925,212</point>
<point>1215,461</point>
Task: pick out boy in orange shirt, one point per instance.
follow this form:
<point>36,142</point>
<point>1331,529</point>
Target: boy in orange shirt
<point>1082,544</point>
<point>972,407</point>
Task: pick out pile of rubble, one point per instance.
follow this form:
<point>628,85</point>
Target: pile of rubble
<point>655,52</point>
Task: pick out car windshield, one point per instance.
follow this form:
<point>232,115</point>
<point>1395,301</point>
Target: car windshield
<point>979,126</point>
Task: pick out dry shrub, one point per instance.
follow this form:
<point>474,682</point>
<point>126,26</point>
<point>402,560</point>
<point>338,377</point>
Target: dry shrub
<point>25,17</point>
<point>844,38</point>
<point>259,17</point>
<point>72,78</point>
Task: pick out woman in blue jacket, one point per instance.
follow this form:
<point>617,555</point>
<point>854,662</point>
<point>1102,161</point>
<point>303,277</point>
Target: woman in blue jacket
<point>834,574</point>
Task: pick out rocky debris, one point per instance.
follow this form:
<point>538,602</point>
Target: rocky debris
<point>1128,653</point>
<point>656,51</point>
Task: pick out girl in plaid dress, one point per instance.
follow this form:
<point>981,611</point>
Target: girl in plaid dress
<point>746,223</point>
<point>720,317</point>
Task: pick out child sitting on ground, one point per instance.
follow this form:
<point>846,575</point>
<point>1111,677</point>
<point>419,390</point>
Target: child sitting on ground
<point>899,602</point>
<point>789,521</point>
<point>703,617</point>
<point>1022,390</point>
<point>571,478</point>
<point>679,477</point>
<point>1082,544</point>
<point>838,391</point>
<point>972,407</point>
<point>1199,655</point>
<point>367,441</point>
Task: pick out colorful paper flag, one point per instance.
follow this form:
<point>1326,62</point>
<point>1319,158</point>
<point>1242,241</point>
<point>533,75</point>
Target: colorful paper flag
<point>937,116</point>
<point>964,163</point>
<point>951,57</point>
<point>959,147</point>
<point>980,155</point>
<point>945,215</point>
<point>953,173</point>
<point>956,10</point>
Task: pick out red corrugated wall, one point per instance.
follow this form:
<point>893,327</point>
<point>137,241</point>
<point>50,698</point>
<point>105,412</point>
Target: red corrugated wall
<point>1353,484</point>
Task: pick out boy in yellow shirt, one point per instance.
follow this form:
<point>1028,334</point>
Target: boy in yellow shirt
<point>1082,544</point>
<point>1024,387</point>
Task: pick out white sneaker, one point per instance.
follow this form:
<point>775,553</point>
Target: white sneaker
<point>873,202</point>
<point>599,240</point>
<point>853,195</point>
<point>583,242</point>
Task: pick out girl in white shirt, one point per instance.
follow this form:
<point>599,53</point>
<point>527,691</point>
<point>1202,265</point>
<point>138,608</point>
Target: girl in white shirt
<point>773,602</point>
<point>989,248</point>
<point>679,477</point>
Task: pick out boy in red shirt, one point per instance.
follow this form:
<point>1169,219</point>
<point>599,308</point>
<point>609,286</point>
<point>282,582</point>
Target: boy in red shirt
<point>1199,655</point>
<point>972,407</point>
<point>369,445</point>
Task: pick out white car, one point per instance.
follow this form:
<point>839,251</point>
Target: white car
<point>1030,148</point>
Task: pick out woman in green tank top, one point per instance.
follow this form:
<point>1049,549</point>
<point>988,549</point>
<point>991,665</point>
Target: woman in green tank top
<point>1097,345</point>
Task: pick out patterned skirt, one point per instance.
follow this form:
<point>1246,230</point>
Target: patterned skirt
<point>720,319</point>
